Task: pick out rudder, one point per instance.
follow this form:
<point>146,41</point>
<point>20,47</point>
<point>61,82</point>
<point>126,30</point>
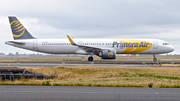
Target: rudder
<point>18,30</point>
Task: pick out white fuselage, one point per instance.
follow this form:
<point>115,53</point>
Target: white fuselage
<point>122,46</point>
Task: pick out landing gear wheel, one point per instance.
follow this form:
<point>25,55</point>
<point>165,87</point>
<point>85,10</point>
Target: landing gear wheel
<point>154,59</point>
<point>90,59</point>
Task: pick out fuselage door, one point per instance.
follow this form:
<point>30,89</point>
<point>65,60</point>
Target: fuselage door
<point>155,44</point>
<point>80,43</point>
<point>35,44</point>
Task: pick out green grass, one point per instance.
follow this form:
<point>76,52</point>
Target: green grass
<point>93,85</point>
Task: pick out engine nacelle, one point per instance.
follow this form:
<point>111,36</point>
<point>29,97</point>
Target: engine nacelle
<point>108,54</point>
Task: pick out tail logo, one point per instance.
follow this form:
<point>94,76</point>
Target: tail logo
<point>18,28</point>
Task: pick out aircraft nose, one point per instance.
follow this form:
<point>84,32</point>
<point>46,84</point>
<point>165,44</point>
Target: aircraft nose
<point>171,48</point>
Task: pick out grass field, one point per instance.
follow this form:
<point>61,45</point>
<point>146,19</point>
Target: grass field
<point>116,76</point>
<point>105,76</point>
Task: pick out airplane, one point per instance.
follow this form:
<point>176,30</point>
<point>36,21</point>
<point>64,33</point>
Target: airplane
<point>104,48</point>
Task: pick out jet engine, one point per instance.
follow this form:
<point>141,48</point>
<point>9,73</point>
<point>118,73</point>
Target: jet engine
<point>108,54</point>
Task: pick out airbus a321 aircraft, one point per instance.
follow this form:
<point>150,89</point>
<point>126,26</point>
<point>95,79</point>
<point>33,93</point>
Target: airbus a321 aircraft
<point>104,48</point>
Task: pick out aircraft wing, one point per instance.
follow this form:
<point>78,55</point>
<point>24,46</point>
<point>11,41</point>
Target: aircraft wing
<point>87,48</point>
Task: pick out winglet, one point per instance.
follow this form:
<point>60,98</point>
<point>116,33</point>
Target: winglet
<point>71,41</point>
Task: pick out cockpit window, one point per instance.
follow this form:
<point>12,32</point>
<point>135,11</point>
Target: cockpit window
<point>165,44</point>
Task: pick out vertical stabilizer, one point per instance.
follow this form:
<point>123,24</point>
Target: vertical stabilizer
<point>18,30</point>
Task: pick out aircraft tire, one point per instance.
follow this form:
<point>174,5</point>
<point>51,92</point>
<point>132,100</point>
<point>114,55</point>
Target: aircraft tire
<point>154,59</point>
<point>90,59</point>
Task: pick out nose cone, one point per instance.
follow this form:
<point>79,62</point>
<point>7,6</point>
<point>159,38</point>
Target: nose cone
<point>170,48</point>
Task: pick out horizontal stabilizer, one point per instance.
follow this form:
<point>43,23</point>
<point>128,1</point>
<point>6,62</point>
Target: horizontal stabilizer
<point>15,43</point>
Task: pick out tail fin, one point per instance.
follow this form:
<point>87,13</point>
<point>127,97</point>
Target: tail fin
<point>18,30</point>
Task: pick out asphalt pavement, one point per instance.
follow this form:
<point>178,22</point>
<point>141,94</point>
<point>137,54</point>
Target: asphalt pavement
<point>70,93</point>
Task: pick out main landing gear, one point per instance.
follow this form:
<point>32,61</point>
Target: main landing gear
<point>90,58</point>
<point>154,59</point>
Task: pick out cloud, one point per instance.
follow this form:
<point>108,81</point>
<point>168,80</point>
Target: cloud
<point>94,18</point>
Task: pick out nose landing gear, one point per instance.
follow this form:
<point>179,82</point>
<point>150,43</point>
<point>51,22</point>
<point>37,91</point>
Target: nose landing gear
<point>90,58</point>
<point>154,59</point>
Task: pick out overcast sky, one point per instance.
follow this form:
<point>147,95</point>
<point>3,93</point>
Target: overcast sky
<point>92,19</point>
